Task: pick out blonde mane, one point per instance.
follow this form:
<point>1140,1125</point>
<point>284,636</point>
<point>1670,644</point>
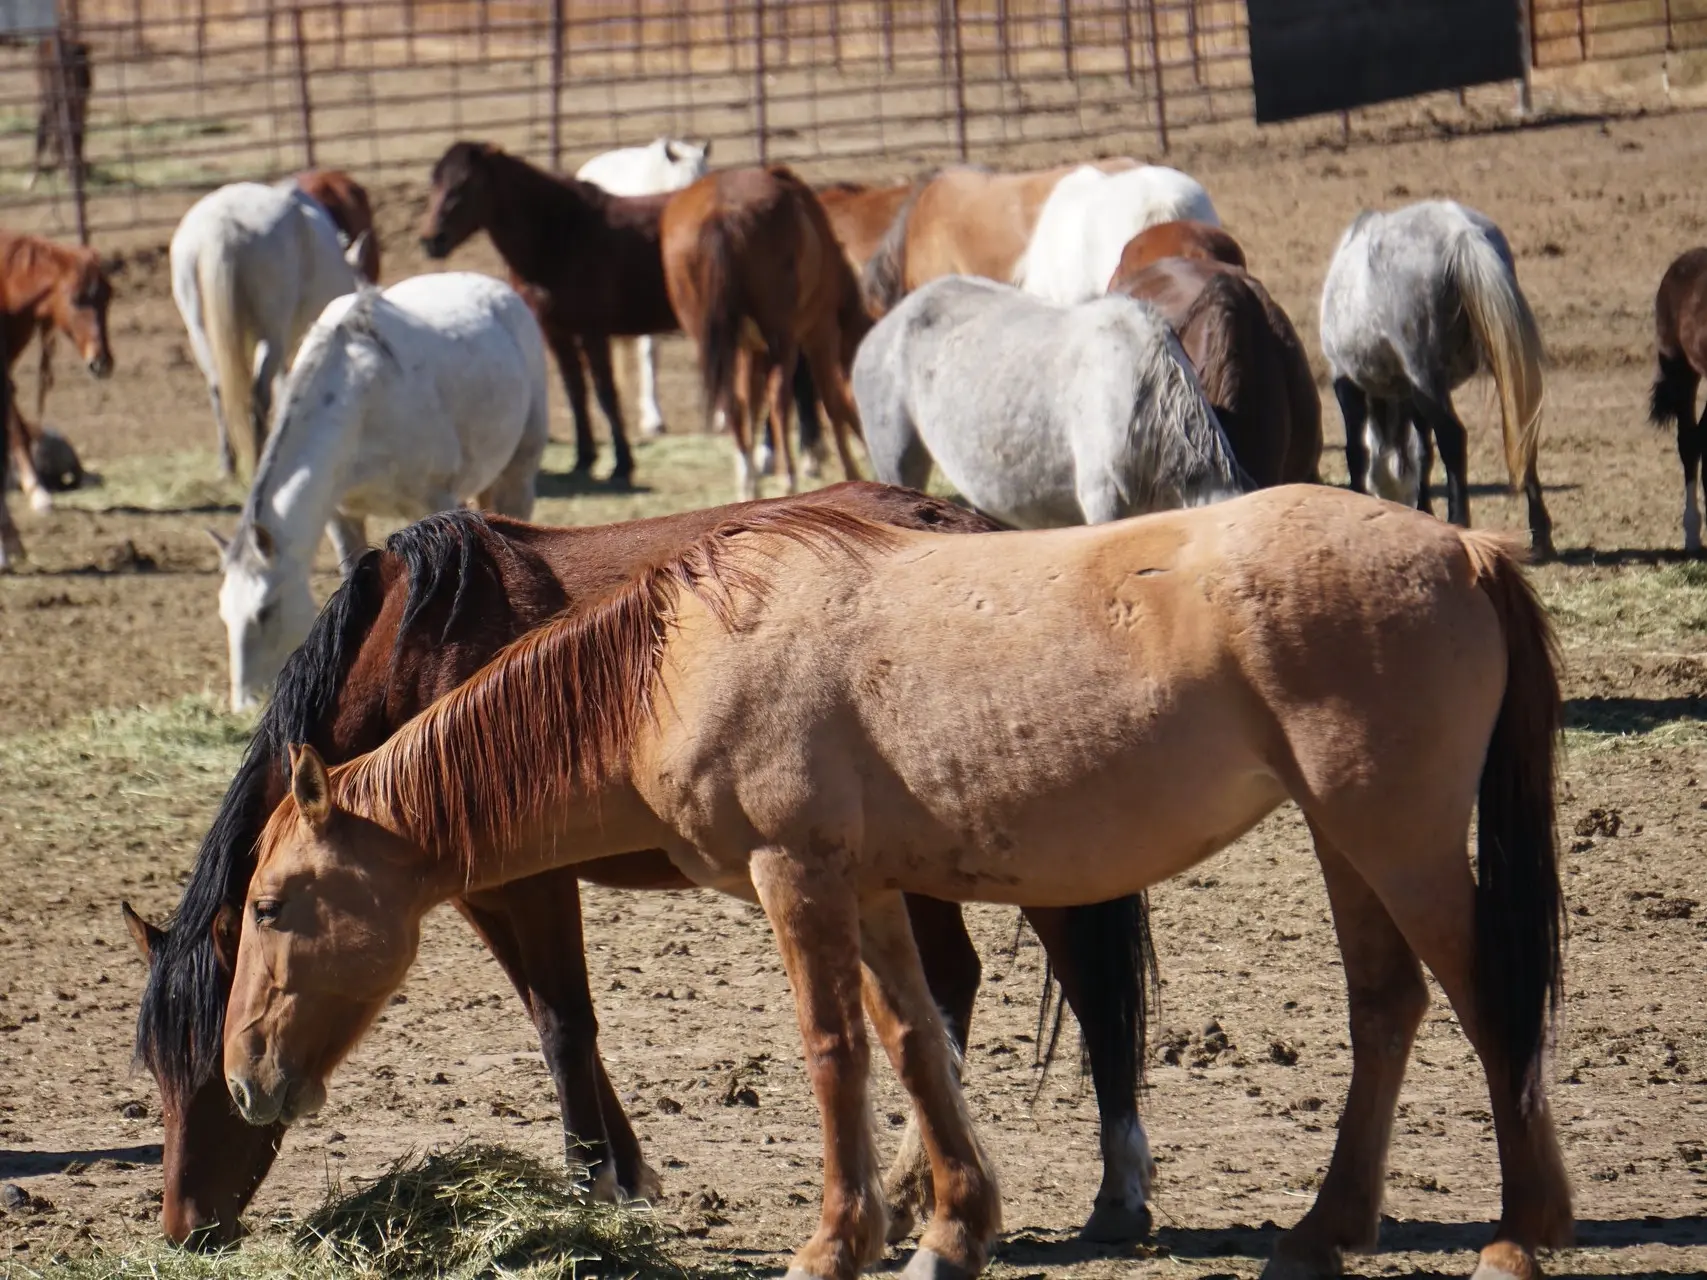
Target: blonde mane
<point>558,710</point>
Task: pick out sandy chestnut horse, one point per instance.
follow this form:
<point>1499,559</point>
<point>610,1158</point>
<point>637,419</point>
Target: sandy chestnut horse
<point>48,288</point>
<point>822,713</point>
<point>1680,350</point>
<point>592,261</point>
<point>346,203</point>
<point>412,622</point>
<point>1249,359</point>
<point>1182,238</point>
<point>758,279</point>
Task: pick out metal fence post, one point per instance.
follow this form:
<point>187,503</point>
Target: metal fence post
<point>556,124</point>
<point>70,154</point>
<point>1161,91</point>
<point>959,77</point>
<point>761,122</point>
<point>1067,32</point>
<point>304,106</point>
<point>1526,40</point>
<point>1004,42</point>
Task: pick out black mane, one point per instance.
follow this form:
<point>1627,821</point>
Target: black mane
<point>180,1025</point>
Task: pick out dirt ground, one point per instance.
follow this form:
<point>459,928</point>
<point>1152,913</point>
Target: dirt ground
<point>113,756</point>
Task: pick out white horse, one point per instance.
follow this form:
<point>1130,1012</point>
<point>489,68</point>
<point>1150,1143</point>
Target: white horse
<point>665,164</point>
<point>252,266</point>
<point>399,404</point>
<point>1039,415</point>
<point>1087,220</point>
<point>1414,303</point>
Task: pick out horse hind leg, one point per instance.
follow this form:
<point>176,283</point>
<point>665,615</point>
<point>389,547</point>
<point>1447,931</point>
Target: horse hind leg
<point>1354,409</point>
<point>597,348</point>
<point>18,441</point>
<point>823,355</point>
<point>1690,439</point>
<point>1434,415</point>
<point>780,404</point>
<point>646,361</point>
<point>1387,998</point>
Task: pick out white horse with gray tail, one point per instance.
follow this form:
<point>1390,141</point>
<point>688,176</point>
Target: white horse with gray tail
<point>1039,415</point>
<point>399,404</point>
<point>252,266</point>
<point>1087,220</point>
<point>665,164</point>
<point>1415,302</point>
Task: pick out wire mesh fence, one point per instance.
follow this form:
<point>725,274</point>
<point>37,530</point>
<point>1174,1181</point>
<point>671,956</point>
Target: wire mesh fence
<point>181,95</point>
<point>1563,32</point>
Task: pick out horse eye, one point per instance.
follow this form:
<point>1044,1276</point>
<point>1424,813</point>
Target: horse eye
<point>267,911</point>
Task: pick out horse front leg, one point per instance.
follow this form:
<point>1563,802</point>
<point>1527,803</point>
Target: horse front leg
<point>815,914</point>
<point>956,1243</point>
<point>597,349</point>
<point>568,352</point>
<point>1354,409</point>
<point>1387,998</point>
<point>1101,956</point>
<point>18,441</point>
<point>349,540</point>
<point>651,416</point>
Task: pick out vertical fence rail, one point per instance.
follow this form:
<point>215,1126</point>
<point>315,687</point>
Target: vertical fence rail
<point>304,104</point>
<point>554,126</point>
<point>70,154</point>
<point>761,114</point>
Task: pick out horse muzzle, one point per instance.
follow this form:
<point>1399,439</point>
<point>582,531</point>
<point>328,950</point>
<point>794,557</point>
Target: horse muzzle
<point>288,1102</point>
<point>436,246</point>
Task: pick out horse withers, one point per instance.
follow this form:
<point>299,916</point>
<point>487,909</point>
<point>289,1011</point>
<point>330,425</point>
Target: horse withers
<point>825,713</point>
<point>1181,238</point>
<point>253,266</point>
<point>1680,352</point>
<point>414,621</point>
<point>399,403</point>
<point>1037,414</point>
<point>756,275</point>
<point>662,166</point>
<point>1415,302</point>
<point>591,261</point>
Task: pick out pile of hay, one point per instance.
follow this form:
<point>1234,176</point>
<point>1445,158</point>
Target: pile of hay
<point>471,1212</point>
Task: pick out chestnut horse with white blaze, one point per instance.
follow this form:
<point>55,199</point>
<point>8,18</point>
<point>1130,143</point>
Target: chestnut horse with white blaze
<point>823,714</point>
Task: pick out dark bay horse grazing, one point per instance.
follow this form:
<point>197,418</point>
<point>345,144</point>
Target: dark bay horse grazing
<point>1249,359</point>
<point>63,112</point>
<point>824,713</point>
<point>346,203</point>
<point>1184,238</point>
<point>1680,349</point>
<point>758,279</point>
<point>411,623</point>
<point>591,258</point>
<point>48,288</point>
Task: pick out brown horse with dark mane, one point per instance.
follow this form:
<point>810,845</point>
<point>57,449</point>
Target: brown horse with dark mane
<point>411,623</point>
<point>1182,238</point>
<point>346,203</point>
<point>757,277</point>
<point>1680,350</point>
<point>48,288</point>
<point>824,713</point>
<point>591,258</point>
<point>1249,359</point>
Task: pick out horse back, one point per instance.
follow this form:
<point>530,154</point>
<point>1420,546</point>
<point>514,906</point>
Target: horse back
<point>1183,238</point>
<point>976,223</point>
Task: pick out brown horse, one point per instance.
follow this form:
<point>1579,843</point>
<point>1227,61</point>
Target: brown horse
<point>1249,359</point>
<point>965,221</point>
<point>62,113</point>
<point>346,203</point>
<point>1680,349</point>
<point>757,277</point>
<point>411,623</point>
<point>861,216</point>
<point>822,713</point>
<point>48,288</point>
<point>591,257</point>
<point>1184,238</point>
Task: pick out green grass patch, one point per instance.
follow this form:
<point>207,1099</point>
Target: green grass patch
<point>164,483</point>
<point>476,1210</point>
<point>1628,606</point>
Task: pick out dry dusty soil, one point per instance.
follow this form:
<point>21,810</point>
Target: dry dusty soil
<point>113,753</point>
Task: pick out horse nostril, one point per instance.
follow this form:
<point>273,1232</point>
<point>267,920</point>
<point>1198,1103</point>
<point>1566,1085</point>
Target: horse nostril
<point>239,1093</point>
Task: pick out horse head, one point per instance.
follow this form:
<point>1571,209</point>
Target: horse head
<point>317,959</point>
<point>461,199</point>
<point>78,309</point>
<point>266,606</point>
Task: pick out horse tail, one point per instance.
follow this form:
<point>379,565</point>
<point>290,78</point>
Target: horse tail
<point>1185,457</point>
<point>722,311</point>
<point>1111,945</point>
<point>1519,966</point>
<point>1672,399</point>
<point>225,327</point>
<point>1508,337</point>
<point>884,280</point>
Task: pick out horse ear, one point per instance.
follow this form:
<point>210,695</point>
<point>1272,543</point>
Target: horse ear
<point>227,933</point>
<point>148,939</point>
<point>705,150</point>
<point>671,152</point>
<point>309,785</point>
<point>220,541</point>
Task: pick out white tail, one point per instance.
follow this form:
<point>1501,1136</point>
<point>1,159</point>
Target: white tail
<point>1509,340</point>
<point>225,334</point>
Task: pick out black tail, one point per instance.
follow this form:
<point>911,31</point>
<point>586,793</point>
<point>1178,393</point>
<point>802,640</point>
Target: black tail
<point>1111,948</point>
<point>806,406</point>
<point>720,324</point>
<point>884,280</point>
<point>1520,921</point>
<point>1673,397</point>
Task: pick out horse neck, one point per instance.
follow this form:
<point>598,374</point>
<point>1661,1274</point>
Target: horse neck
<point>301,475</point>
<point>529,213</point>
<point>31,270</point>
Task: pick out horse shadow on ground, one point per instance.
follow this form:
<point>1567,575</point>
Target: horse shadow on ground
<point>1623,716</point>
<point>1616,557</point>
<point>578,484</point>
<point>35,1164</point>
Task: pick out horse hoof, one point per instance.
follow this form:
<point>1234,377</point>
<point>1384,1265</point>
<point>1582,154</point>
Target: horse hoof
<point>605,1189</point>
<point>927,1264</point>
<point>1504,1260</point>
<point>652,430</point>
<point>1112,1223</point>
<point>621,481</point>
<point>1288,1266</point>
<point>648,1185</point>
<point>41,502</point>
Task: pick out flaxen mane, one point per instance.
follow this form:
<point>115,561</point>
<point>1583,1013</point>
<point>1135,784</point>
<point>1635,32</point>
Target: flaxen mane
<point>562,706</point>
